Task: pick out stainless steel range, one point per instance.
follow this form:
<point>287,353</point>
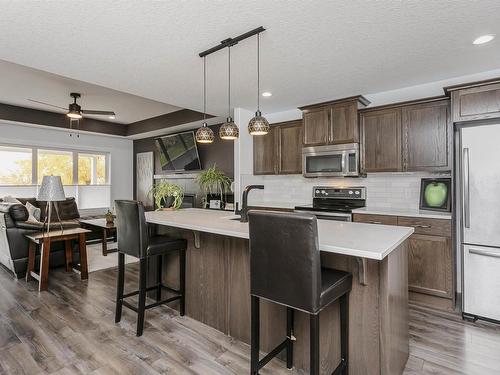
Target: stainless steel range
<point>335,203</point>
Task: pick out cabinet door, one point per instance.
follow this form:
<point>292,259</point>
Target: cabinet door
<point>345,126</point>
<point>290,148</point>
<point>316,126</point>
<point>375,219</point>
<point>476,103</point>
<point>381,141</point>
<point>427,137</point>
<point>265,153</point>
<point>430,265</point>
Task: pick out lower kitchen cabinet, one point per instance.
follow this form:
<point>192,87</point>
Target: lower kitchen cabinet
<point>430,265</point>
<point>430,257</point>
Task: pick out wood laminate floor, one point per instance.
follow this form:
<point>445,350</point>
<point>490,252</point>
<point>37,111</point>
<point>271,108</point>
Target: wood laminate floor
<point>70,330</point>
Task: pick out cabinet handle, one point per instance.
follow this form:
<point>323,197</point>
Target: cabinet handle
<point>375,222</point>
<point>421,226</point>
<point>484,253</point>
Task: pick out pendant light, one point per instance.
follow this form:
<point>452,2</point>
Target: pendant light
<point>258,125</point>
<point>229,130</point>
<point>204,134</point>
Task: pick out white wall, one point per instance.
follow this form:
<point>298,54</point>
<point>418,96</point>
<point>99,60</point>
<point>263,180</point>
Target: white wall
<point>120,150</point>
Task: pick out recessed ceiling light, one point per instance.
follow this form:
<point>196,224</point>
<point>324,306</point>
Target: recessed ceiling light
<point>267,94</point>
<point>483,39</point>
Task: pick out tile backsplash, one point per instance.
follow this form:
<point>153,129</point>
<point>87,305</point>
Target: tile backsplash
<point>384,190</point>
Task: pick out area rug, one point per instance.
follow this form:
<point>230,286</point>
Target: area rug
<point>96,261</point>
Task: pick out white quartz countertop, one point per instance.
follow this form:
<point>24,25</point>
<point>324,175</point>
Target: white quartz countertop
<point>354,239</point>
<point>403,212</point>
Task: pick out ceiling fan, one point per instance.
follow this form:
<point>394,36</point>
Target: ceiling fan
<point>75,111</point>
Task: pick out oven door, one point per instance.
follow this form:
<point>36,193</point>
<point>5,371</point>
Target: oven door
<point>336,216</point>
<point>330,161</point>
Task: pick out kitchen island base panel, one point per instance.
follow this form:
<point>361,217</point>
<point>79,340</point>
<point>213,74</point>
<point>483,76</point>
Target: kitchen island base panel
<point>218,294</point>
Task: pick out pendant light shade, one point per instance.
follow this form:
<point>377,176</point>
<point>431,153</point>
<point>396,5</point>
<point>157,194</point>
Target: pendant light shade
<point>204,134</point>
<point>258,125</point>
<point>229,130</point>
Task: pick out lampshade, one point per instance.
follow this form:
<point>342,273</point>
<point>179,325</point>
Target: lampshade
<point>258,125</point>
<point>229,130</point>
<point>204,134</point>
<point>51,189</point>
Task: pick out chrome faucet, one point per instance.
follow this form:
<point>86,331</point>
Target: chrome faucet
<point>244,205</point>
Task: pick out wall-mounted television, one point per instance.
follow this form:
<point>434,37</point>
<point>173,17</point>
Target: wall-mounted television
<point>178,152</point>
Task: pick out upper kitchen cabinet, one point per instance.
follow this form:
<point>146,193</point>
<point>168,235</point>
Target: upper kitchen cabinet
<point>290,147</point>
<point>280,151</point>
<point>475,101</point>
<point>427,136</point>
<point>334,122</point>
<point>381,141</point>
<point>264,153</point>
<point>410,136</point>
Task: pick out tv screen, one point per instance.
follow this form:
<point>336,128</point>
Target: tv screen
<point>178,152</point>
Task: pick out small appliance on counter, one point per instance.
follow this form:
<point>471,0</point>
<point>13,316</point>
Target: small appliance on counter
<point>335,203</point>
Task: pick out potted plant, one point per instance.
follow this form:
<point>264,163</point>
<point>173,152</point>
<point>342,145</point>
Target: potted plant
<point>213,183</point>
<point>167,195</point>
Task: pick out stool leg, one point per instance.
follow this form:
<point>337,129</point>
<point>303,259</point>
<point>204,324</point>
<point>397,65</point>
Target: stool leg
<point>159,261</point>
<point>119,287</point>
<point>314,344</point>
<point>255,336</point>
<point>344,332</point>
<point>141,308</point>
<point>289,334</point>
<point>182,281</point>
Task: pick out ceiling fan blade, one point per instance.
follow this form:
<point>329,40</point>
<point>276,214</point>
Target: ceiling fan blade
<point>50,105</point>
<point>102,113</point>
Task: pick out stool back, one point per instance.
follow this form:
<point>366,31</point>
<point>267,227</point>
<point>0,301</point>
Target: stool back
<point>285,264</point>
<point>131,228</point>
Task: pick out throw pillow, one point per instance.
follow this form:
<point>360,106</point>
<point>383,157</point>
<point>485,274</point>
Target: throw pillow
<point>10,199</point>
<point>33,213</point>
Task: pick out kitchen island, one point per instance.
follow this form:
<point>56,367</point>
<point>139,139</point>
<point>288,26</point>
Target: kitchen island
<point>218,288</point>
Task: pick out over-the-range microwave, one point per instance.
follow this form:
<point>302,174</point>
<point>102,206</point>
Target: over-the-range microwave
<point>331,161</point>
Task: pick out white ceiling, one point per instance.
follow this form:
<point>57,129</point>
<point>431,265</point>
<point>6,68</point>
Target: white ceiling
<point>312,50</point>
<point>20,83</point>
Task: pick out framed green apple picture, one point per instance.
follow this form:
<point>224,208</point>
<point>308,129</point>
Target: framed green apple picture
<point>435,194</point>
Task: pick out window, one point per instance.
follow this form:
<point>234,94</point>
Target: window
<point>15,165</point>
<point>56,163</point>
<point>92,169</point>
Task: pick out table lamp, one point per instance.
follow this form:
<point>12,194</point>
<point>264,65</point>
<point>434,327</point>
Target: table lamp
<point>50,191</point>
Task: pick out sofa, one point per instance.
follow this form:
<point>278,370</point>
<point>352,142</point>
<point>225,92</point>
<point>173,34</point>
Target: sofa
<point>14,226</point>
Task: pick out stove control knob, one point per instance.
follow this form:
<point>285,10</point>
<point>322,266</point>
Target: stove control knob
<point>357,192</point>
<point>323,192</point>
<point>350,192</point>
<point>317,191</point>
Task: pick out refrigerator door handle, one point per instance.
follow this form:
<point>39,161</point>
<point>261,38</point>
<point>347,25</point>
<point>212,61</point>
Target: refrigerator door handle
<point>465,188</point>
<point>484,253</point>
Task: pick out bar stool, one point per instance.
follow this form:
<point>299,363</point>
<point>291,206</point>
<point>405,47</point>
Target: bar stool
<point>285,268</point>
<point>134,240</point>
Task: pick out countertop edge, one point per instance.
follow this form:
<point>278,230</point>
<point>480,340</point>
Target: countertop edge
<point>396,212</point>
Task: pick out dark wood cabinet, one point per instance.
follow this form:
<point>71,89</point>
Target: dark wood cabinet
<point>430,257</point>
<point>430,266</point>
<point>381,141</point>
<point>475,101</point>
<point>264,153</point>
<point>427,135</point>
<point>411,136</point>
<point>280,151</point>
<point>334,122</point>
<point>290,147</point>
<point>316,126</point>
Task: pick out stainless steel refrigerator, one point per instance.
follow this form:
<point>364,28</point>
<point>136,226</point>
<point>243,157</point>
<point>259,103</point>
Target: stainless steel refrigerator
<point>479,184</point>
